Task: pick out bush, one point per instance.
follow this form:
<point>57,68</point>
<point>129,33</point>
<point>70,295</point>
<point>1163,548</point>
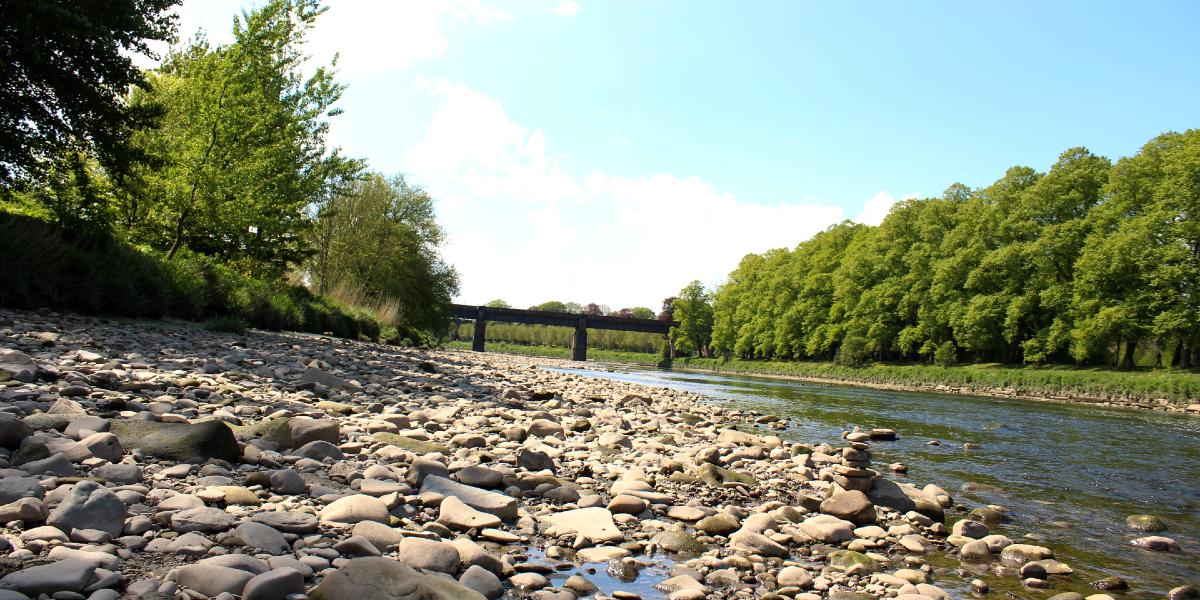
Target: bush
<point>226,324</point>
<point>945,355</point>
<point>852,352</point>
<point>100,275</point>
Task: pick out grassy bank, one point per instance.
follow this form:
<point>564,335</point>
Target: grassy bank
<point>1056,382</point>
<point>636,358</point>
<point>44,268</point>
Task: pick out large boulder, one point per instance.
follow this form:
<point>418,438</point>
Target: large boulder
<point>385,579</point>
<point>852,506</point>
<point>17,366</point>
<point>904,497</point>
<point>180,442</point>
<point>355,508</point>
<point>88,505</point>
<point>303,431</point>
<point>12,431</point>
<point>594,523</point>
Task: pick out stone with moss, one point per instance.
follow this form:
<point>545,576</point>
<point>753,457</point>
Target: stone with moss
<point>717,476</point>
<point>674,540</point>
<point>180,442</point>
<point>848,558</point>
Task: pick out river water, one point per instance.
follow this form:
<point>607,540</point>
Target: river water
<point>1068,473</point>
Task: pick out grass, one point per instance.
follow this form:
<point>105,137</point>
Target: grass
<point>1057,381</point>
<point>594,354</point>
<point>44,268</point>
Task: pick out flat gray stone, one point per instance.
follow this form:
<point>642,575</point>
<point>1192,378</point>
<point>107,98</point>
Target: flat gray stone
<point>275,584</point>
<point>210,580</point>
<point>202,519</point>
<point>287,521</point>
<point>88,505</point>
<point>494,503</point>
<point>429,555</point>
<point>61,576</point>
<point>386,579</point>
<point>262,537</point>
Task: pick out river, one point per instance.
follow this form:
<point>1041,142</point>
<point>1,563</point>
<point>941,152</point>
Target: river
<point>1068,473</point>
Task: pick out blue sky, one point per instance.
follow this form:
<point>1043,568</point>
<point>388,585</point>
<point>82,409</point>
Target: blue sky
<point>613,151</point>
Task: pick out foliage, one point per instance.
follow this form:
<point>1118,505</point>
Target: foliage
<point>1087,262</point>
<point>97,275</point>
<point>240,150</point>
<point>594,354</point>
<point>380,236</point>
<point>852,352</point>
<point>945,355</point>
<point>66,68</point>
<point>520,334</point>
<point>498,303</point>
<point>693,309</point>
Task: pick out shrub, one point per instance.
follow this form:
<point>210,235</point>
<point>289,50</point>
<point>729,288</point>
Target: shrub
<point>852,352</point>
<point>945,355</point>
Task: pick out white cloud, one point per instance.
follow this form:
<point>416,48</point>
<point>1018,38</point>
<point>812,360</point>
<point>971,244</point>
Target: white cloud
<point>371,37</point>
<point>878,206</point>
<point>566,8</point>
<point>524,229</point>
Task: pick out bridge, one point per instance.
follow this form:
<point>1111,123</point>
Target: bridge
<point>581,322</point>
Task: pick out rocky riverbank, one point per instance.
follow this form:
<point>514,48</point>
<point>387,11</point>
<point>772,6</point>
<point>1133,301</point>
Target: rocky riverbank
<point>150,459</point>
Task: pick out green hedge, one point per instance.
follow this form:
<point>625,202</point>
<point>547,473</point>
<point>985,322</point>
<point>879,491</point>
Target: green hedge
<point>43,268</point>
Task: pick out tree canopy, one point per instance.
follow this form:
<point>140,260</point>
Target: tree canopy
<point>66,68</point>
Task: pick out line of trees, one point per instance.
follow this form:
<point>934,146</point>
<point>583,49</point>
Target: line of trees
<point>548,335</point>
<point>1089,263</point>
<point>219,153</point>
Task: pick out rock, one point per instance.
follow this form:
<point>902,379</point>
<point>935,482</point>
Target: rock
<point>1146,523</point>
<point>275,584</point>
<point>483,581</point>
<point>262,537</point>
<point>794,577</point>
<point>12,432</point>
<point>528,582</point>
<point>89,506</point>
<point>674,540</point>
<point>424,467</point>
<point>594,523</point>
<point>30,510</point>
<point>202,519</point>
<point>848,558</point>
<point>472,554</point>
<point>1183,592</point>
<point>356,545</point>
<point>123,473</point>
<point>828,529</point>
<point>381,536</point>
<point>969,528</point>
<point>17,366</point>
<point>329,380</point>
<point>627,504</point>
<point>500,505</point>
<point>353,509</point>
<point>975,551</point>
<point>479,476</point>
<point>456,515</point>
<point>429,555</point>
<point>290,522</point>
<point>851,506</point>
<point>385,579</point>
<point>287,481</point>
<point>103,445</point>
<point>86,422</point>
<point>303,431</point>
<point>718,524</point>
<point>61,576</point>
<point>903,498</point>
<point>544,428</point>
<point>15,488</point>
<point>1019,554</point>
<point>1157,543</point>
<point>319,450</point>
<point>57,464</point>
<point>180,442</point>
<point>1109,584</point>
<point>535,460</point>
<point>210,579</point>
<point>756,544</point>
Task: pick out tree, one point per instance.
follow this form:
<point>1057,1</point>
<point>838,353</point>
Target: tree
<point>376,240</point>
<point>550,306</point>
<point>66,68</point>
<point>498,303</point>
<point>641,312</point>
<point>241,144</point>
<point>693,309</point>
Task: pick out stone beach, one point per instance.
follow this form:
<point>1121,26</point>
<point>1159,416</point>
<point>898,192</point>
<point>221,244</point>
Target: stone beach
<point>155,459</point>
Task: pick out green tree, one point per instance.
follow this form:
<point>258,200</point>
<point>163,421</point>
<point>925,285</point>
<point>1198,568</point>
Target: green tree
<point>498,303</point>
<point>376,239</point>
<point>693,309</point>
<point>241,144</point>
<point>66,68</point>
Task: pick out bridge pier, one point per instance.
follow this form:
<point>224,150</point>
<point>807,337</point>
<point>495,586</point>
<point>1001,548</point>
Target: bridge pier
<point>579,341</point>
<point>480,333</point>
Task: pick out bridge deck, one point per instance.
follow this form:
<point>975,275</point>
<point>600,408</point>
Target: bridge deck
<point>581,322</point>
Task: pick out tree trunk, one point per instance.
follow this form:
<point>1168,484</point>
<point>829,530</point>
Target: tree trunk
<point>1177,355</point>
<point>1127,356</point>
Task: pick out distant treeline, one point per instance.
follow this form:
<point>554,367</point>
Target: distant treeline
<point>1089,263</point>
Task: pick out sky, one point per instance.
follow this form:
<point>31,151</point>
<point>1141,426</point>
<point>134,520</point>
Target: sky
<point>612,151</point>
